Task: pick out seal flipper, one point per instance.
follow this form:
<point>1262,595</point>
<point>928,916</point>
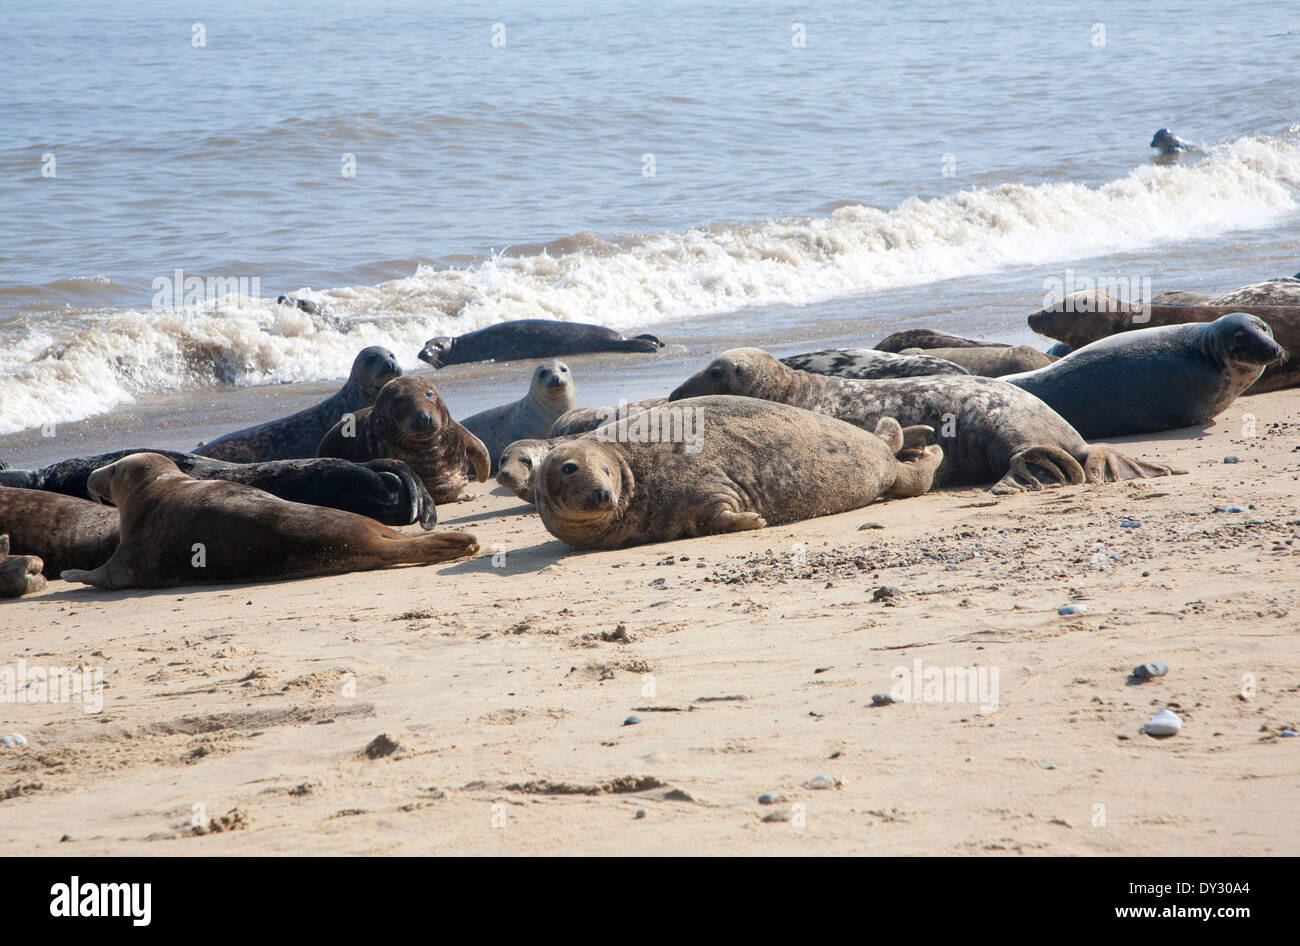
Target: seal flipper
<point>725,520</point>
<point>643,343</point>
<point>23,479</point>
<point>915,477</point>
<point>477,453</point>
<point>1103,464</point>
<point>1031,469</point>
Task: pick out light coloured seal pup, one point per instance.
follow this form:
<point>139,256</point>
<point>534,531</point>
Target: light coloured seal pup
<point>530,338</point>
<point>750,464</point>
<point>870,363</point>
<point>176,530</point>
<point>550,394</point>
<point>410,422</point>
<point>990,361</point>
<point>1155,378</point>
<point>296,436</point>
<point>991,431</point>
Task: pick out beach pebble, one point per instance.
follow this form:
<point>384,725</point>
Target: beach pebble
<point>1163,724</point>
<point>823,782</point>
<point>784,814</point>
<point>631,720</point>
<point>1130,524</point>
<point>870,525</point>
<point>1153,669</point>
<point>1290,733</point>
<point>380,746</point>
<point>885,592</point>
<point>640,813</point>
<point>13,739</point>
<point>882,699</point>
<point>1229,508</point>
<point>1072,609</point>
<point>1232,458</point>
<point>771,798</point>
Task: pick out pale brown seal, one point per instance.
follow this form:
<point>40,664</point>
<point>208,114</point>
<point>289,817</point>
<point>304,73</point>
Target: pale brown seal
<point>991,431</point>
<point>19,574</point>
<point>296,436</point>
<point>177,530</point>
<point>989,361</point>
<point>749,464</point>
<point>551,393</point>
<point>64,532</point>
<point>928,338</point>
<point>409,422</point>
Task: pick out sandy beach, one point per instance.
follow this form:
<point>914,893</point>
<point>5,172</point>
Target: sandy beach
<point>507,682</point>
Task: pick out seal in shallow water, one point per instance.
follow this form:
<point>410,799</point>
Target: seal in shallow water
<point>297,435</point>
<point>530,338</point>
<point>1085,316</point>
<point>177,530</point>
<point>929,338</point>
<point>550,394</point>
<point>990,361</point>
<point>750,464</point>
<point>1155,378</point>
<point>385,490</point>
<point>410,422</point>
<point>991,431</point>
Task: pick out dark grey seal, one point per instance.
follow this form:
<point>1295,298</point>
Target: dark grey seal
<point>930,338</point>
<point>530,338</point>
<point>1166,142</point>
<point>385,490</point>
<point>1155,379</point>
<point>297,436</point>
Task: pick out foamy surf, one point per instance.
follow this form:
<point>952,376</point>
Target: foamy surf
<point>67,365</point>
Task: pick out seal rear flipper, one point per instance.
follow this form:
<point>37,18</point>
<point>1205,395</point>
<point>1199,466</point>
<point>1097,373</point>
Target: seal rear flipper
<point>20,575</point>
<point>726,520</point>
<point>1104,464</point>
<point>427,549</point>
<point>644,343</point>
<point>1038,466</point>
<point>915,477</point>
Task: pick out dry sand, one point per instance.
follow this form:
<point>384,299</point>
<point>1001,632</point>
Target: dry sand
<point>751,670</point>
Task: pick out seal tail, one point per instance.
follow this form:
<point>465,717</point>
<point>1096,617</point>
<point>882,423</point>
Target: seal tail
<point>398,549</point>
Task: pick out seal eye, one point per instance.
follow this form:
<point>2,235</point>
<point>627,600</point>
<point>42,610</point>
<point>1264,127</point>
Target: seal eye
<point>563,369</point>
<point>528,464</point>
<point>569,468</point>
<point>428,394</point>
<point>606,471</point>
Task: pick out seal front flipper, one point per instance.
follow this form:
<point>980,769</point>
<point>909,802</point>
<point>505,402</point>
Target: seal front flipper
<point>726,520</point>
<point>477,453</point>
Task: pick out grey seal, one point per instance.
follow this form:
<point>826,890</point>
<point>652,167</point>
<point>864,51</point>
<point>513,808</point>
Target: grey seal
<point>871,363</point>
<point>530,338</point>
<point>551,393</point>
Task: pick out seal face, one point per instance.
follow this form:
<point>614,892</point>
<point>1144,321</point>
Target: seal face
<point>296,436</point>
<point>519,463</point>
<point>1166,142</point>
<point>179,530</point>
<point>747,464</point>
<point>991,431</point>
<point>530,338</point>
<point>385,490</point>
<point>410,422</point>
<point>1155,379</point>
<point>872,363</point>
<point>551,393</point>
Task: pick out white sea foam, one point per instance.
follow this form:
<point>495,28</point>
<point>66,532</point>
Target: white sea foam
<point>71,365</point>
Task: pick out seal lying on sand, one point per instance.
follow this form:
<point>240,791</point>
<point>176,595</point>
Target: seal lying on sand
<point>530,338</point>
<point>991,431</point>
<point>297,435</point>
<point>870,363</point>
<point>63,531</point>
<point>385,490</point>
<point>991,361</point>
<point>753,464</point>
<point>19,574</point>
<point>550,394</point>
<point>520,461</point>
<point>409,422</point>
<point>928,338</point>
<point>177,530</point>
<point>582,419</point>
<point>1155,378</point>
<point>1085,316</point>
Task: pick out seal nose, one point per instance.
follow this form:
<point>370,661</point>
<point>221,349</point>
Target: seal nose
<point>424,421</point>
<point>603,496</point>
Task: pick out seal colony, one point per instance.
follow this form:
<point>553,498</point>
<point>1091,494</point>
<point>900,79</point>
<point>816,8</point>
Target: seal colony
<point>747,441</point>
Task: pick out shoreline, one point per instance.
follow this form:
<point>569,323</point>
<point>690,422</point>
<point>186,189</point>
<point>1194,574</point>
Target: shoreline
<point>506,689</point>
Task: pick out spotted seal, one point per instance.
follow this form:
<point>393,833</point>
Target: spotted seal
<point>869,363</point>
<point>989,361</point>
